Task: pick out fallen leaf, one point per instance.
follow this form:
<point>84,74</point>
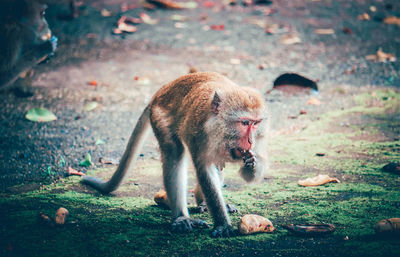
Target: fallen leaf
<point>310,229</point>
<point>208,4</point>
<point>372,8</point>
<point>93,83</point>
<point>383,57</point>
<point>180,25</point>
<point>317,181</point>
<point>302,112</point>
<point>235,61</point>
<point>314,101</point>
<point>147,19</point>
<point>189,5</point>
<point>107,161</point>
<point>324,31</point>
<point>143,80</point>
<point>100,142</point>
<point>290,39</point>
<point>87,161</point>
<point>105,13</point>
<point>166,4</point>
<point>217,27</point>
<point>90,106</point>
<point>72,172</point>
<point>178,17</point>
<point>364,17</point>
<point>252,223</point>
<point>40,115</point>
<point>347,31</point>
<point>276,29</point>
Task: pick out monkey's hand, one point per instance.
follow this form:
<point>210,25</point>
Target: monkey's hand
<point>185,224</point>
<point>252,169</point>
<point>224,231</point>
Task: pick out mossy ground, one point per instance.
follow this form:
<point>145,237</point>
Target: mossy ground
<point>356,141</point>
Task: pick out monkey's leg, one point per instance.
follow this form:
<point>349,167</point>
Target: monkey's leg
<point>209,181</point>
<point>175,182</point>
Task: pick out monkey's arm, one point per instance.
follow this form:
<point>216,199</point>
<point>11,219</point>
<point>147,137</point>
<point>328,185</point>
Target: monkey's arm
<point>135,143</point>
<point>27,60</point>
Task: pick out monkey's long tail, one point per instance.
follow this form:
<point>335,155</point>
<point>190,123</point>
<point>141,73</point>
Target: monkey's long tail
<point>135,144</point>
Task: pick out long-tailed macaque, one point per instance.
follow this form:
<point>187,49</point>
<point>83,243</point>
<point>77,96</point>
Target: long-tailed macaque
<point>210,118</point>
<point>25,38</point>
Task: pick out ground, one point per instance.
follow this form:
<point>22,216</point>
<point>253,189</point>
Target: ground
<point>355,129</point>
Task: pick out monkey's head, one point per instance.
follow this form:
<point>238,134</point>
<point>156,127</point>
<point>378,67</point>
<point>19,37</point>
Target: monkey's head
<point>29,14</point>
<point>237,119</point>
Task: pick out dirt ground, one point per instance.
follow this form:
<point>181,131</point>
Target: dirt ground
<point>356,126</point>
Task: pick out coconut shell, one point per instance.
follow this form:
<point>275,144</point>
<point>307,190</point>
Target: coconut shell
<point>252,223</point>
<point>61,216</point>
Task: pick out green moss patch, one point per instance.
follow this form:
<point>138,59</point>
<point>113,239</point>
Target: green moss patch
<point>128,223</point>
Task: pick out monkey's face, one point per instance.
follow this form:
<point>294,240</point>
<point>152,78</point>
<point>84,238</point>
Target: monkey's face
<point>34,17</point>
<point>244,131</point>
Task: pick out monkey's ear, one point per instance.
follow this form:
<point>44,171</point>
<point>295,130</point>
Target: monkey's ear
<point>216,103</point>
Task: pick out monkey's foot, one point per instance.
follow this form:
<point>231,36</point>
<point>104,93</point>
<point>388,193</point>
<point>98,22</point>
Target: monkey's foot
<point>185,224</point>
<point>229,207</point>
<point>224,231</point>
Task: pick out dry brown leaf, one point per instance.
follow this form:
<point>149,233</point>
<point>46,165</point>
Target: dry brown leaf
<point>385,226</point>
<point>314,101</point>
<point>392,20</point>
<point>61,216</point>
<point>161,199</point>
<point>72,171</point>
<point>252,223</point>
<point>364,17</point>
<point>384,57</point>
<point>166,4</point>
<point>324,31</point>
<point>290,39</point>
<point>317,181</point>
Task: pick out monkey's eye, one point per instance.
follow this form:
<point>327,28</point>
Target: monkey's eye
<point>245,122</point>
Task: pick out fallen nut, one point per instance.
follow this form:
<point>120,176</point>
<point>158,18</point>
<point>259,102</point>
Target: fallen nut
<point>252,223</point>
<point>317,181</point>
<point>61,216</point>
<point>45,220</point>
<point>161,199</point>
<point>388,226</point>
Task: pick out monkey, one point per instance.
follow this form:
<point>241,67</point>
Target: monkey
<point>208,117</point>
<point>25,38</point>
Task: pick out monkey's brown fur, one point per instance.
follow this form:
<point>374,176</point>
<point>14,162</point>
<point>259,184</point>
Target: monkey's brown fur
<point>214,120</point>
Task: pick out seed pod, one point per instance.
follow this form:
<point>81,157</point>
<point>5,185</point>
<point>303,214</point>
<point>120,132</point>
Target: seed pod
<point>252,223</point>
